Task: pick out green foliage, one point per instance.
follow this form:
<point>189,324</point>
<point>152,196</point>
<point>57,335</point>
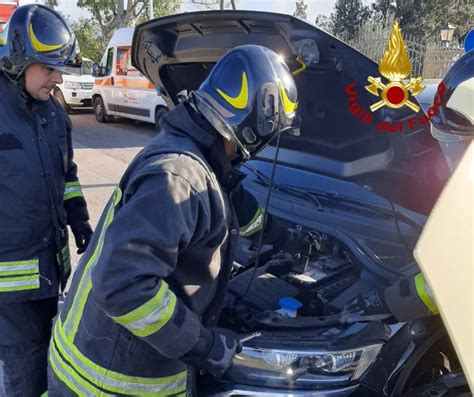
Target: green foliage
<point>301,9</point>
<point>348,16</point>
<point>89,37</point>
<point>161,8</point>
<point>325,22</point>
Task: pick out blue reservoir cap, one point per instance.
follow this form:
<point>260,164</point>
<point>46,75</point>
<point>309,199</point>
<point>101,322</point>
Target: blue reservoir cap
<point>289,303</point>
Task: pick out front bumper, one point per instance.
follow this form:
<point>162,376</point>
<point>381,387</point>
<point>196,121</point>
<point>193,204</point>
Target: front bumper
<point>251,391</point>
<point>78,97</point>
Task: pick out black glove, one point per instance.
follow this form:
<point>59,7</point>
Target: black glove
<point>298,244</point>
<point>214,351</point>
<point>368,306</point>
<point>82,234</point>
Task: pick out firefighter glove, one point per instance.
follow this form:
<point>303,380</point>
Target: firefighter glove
<point>82,233</point>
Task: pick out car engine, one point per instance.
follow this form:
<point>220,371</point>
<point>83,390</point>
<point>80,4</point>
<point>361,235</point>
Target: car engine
<point>312,284</point>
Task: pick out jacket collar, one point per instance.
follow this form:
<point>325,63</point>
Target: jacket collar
<point>185,120</point>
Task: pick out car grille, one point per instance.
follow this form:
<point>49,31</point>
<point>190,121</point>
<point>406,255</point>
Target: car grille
<point>87,86</point>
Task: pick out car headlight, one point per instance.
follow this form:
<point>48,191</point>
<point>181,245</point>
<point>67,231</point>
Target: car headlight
<point>70,85</point>
<point>287,368</point>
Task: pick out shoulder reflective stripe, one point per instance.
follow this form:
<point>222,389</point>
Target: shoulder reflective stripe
<point>151,316</point>
<point>110,380</point>
<point>254,225</point>
<point>424,292</point>
<point>77,308</point>
<point>20,283</point>
<point>72,189</point>
<point>73,381</point>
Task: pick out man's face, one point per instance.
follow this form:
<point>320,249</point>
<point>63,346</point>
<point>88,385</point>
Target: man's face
<point>40,80</point>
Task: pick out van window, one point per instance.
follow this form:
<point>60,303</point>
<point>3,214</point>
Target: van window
<point>124,63</point>
<point>110,60</point>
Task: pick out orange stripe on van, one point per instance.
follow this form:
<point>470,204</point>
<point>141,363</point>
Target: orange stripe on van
<point>124,82</point>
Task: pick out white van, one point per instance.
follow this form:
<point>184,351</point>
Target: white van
<point>120,89</point>
<point>76,89</point>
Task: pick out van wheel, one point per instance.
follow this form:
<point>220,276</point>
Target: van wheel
<point>60,98</point>
<point>159,113</point>
<point>99,111</point>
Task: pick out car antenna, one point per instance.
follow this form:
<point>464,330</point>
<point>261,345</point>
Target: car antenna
<point>264,224</point>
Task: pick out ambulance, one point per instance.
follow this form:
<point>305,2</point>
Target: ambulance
<point>120,89</point>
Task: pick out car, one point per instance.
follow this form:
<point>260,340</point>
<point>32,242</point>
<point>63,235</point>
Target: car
<point>76,88</point>
<point>362,195</point>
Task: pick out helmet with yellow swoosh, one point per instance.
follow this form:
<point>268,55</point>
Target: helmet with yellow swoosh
<point>37,34</point>
<point>249,97</point>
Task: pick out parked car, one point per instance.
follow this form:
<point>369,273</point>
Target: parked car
<point>76,89</point>
<point>360,194</point>
<point>120,89</point>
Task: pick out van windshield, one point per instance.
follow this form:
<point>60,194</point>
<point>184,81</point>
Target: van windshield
<point>85,70</point>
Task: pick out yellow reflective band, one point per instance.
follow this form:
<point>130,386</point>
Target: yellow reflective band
<point>83,367</point>
<point>74,314</point>
<point>255,225</point>
<point>71,190</point>
<point>288,106</point>
<point>241,100</point>
<point>424,292</point>
<point>38,45</point>
<point>2,41</point>
<point>152,315</point>
<point>19,283</point>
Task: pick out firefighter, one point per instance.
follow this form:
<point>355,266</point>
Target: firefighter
<point>39,193</point>
<point>144,302</point>
<point>453,126</point>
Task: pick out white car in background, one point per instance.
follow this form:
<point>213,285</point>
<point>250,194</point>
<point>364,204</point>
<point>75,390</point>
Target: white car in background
<point>76,89</point>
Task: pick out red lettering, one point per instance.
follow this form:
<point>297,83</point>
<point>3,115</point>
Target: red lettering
<point>432,111</point>
<point>437,100</point>
<point>353,95</point>
<point>441,89</point>
<point>367,119</point>
<point>381,125</point>
<point>354,108</point>
<point>411,123</point>
<point>395,127</point>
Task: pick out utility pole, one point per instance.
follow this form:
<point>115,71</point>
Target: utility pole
<point>151,9</point>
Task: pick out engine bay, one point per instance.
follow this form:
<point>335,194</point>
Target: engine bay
<point>256,294</point>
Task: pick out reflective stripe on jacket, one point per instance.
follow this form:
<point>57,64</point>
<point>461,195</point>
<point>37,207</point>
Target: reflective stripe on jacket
<point>36,171</point>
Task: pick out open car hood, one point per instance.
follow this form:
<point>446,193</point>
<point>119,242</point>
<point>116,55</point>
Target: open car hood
<point>177,53</point>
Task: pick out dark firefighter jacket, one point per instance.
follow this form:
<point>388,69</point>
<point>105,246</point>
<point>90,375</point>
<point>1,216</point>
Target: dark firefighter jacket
<point>157,267</point>
<point>39,195</point>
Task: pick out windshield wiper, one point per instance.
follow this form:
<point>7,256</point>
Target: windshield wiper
<point>336,197</point>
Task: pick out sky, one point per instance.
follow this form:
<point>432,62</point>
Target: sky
<point>315,7</point>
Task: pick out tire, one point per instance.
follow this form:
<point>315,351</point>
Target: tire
<point>99,111</point>
<point>60,98</point>
<point>159,113</point>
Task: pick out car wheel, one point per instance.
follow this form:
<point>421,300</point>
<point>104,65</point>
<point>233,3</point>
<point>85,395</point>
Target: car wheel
<point>100,112</point>
<point>60,98</point>
<point>159,113</point>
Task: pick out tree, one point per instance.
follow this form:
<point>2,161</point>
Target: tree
<point>325,22</point>
<point>349,15</point>
<point>301,8</point>
<point>110,15</point>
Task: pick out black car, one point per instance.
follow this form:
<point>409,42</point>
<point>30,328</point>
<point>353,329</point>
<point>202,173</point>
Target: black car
<point>360,193</point>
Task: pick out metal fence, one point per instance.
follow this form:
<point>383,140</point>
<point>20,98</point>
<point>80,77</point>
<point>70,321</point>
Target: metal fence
<point>429,60</point>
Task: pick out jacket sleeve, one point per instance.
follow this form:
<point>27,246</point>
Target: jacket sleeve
<point>74,201</point>
<point>251,217</point>
<point>141,250</point>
